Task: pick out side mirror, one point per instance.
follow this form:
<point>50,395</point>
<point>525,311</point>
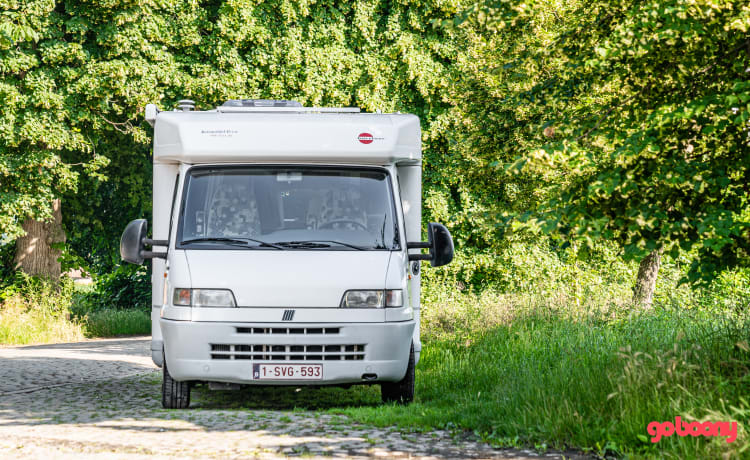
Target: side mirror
<point>133,243</point>
<point>440,244</point>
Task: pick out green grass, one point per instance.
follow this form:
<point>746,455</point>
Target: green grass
<point>100,318</point>
<point>19,326</point>
<point>584,384</point>
<point>112,323</point>
<point>33,311</point>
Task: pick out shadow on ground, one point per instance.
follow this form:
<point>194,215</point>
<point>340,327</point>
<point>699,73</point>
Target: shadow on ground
<point>287,398</point>
<point>124,416</point>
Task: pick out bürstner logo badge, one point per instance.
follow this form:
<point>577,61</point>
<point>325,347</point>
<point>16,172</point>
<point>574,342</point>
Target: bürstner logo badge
<point>288,315</point>
<point>365,138</point>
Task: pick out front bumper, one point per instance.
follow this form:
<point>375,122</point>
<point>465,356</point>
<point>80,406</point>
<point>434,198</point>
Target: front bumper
<point>226,352</point>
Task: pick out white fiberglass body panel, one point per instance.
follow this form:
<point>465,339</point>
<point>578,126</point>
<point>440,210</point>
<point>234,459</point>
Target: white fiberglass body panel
<point>288,279</point>
<point>206,137</point>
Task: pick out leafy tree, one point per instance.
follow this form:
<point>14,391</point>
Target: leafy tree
<point>634,117</point>
<point>44,146</point>
<point>76,74</point>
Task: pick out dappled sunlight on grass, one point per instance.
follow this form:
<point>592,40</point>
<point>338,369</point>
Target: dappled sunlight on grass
<point>22,326</point>
<point>582,381</point>
<point>34,311</point>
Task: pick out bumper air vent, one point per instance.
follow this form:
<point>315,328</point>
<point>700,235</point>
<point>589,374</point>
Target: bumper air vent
<point>257,352</point>
<point>289,330</point>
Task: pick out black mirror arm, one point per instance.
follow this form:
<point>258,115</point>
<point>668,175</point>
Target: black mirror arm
<point>150,242</point>
<point>419,245</point>
<point>153,254</point>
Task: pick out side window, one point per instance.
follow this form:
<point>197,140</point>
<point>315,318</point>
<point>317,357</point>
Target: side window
<point>174,202</point>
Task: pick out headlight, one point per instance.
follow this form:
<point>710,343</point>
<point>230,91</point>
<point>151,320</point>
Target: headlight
<point>362,299</point>
<point>203,298</point>
<point>372,299</point>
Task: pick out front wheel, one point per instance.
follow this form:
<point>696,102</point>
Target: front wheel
<point>402,391</point>
<point>174,394</point>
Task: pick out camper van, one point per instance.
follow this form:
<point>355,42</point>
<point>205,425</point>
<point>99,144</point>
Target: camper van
<point>286,246</point>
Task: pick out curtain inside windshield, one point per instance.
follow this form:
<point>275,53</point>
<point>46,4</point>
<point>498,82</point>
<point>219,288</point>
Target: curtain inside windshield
<point>333,206</point>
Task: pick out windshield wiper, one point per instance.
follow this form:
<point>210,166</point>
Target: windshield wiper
<point>242,241</point>
<point>312,244</point>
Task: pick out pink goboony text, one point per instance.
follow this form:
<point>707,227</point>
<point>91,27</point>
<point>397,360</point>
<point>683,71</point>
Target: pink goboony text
<point>659,430</point>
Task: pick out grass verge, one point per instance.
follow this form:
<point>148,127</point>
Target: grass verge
<point>549,379</point>
<point>33,311</point>
<point>111,323</point>
<point>19,326</point>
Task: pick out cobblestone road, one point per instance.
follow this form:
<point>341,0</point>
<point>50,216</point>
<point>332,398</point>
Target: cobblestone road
<point>99,399</point>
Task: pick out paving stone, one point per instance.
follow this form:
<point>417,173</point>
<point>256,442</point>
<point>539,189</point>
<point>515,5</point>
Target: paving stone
<point>41,366</point>
<point>100,399</point>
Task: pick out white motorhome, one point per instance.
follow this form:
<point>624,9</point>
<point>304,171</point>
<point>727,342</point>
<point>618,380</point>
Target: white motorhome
<point>286,247</point>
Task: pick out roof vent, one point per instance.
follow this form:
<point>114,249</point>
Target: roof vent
<point>186,105</point>
<point>260,103</point>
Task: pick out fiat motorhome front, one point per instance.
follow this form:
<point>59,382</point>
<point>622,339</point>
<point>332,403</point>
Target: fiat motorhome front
<point>286,247</point>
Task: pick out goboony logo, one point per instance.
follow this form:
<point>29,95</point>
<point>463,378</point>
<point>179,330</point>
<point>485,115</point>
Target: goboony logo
<point>695,429</point>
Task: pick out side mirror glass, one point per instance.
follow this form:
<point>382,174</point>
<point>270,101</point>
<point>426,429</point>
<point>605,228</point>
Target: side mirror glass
<point>131,242</point>
<point>440,244</point>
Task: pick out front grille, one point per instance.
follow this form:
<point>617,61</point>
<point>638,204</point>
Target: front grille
<point>289,330</point>
<point>289,352</point>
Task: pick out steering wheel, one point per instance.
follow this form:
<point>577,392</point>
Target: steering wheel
<point>343,221</point>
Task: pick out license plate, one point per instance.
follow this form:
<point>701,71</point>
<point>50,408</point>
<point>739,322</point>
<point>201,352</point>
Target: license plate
<point>287,371</point>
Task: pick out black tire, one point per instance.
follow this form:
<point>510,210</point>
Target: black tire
<point>174,394</point>
<point>402,391</point>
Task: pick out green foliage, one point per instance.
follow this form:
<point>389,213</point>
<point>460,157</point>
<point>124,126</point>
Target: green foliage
<point>37,292</point>
<point>76,75</point>
<point>519,265</point>
<point>104,310</point>
<point>631,117</point>
<point>7,271</point>
<point>95,216</point>
<point>113,323</point>
<point>44,130</point>
<point>618,139</point>
<point>126,287</point>
<point>33,310</point>
<point>533,370</point>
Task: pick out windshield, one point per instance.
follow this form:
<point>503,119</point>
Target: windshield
<point>288,208</point>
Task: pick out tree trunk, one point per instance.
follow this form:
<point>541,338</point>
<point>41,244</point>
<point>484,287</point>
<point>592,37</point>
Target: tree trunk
<point>34,252</point>
<point>643,292</point>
